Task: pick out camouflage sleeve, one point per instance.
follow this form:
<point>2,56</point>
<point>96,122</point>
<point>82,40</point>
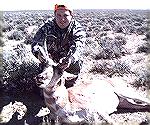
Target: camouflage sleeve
<point>38,40</point>
<point>79,39</point>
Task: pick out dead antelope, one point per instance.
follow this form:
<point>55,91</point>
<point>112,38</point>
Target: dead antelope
<point>88,101</point>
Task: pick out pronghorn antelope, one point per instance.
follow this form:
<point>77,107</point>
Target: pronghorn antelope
<point>87,101</point>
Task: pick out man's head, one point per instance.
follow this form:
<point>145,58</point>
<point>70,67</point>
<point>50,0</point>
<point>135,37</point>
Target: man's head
<point>63,15</point>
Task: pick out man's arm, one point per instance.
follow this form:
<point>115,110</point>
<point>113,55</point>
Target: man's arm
<point>77,48</point>
<point>38,41</point>
<point>79,37</point>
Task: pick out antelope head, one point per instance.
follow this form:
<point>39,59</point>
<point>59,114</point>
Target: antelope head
<point>49,77</point>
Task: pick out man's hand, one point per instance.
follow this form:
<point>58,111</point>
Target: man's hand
<point>64,63</point>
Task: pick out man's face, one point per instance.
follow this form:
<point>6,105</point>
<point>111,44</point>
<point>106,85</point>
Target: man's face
<point>63,18</point>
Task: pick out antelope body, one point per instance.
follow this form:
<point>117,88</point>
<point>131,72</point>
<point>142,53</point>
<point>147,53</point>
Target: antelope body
<point>87,101</point>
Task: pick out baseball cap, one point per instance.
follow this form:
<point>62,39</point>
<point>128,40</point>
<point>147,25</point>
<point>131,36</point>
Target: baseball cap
<point>63,5</point>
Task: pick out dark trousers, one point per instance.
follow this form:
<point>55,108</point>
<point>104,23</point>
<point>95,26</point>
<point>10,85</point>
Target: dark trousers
<point>74,68</point>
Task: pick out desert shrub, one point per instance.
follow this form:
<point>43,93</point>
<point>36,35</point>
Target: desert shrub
<point>148,35</point>
<point>7,28</point>
<point>145,48</point>
<point>89,29</point>
<point>15,35</point>
<point>1,49</point>
<point>106,28</point>
<point>101,34</point>
<point>137,24</point>
<point>16,22</point>
<point>137,19</point>
<point>112,22</point>
<point>21,27</point>
<point>118,29</point>
<point>28,23</point>
<point>148,69</point>
<point>142,30</point>
<point>19,65</point>
<point>89,34</point>
<point>118,17</point>
<point>1,27</point>
<point>142,80</point>
<point>105,53</point>
<point>120,40</point>
<point>28,39</point>
<point>110,68</point>
<point>101,68</point>
<point>109,48</point>
<point>89,46</point>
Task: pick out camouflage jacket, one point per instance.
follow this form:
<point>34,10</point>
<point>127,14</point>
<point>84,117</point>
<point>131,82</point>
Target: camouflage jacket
<point>60,42</point>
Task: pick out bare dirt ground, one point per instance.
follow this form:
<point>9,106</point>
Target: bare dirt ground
<point>117,46</point>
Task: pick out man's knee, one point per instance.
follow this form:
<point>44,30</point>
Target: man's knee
<point>74,68</point>
<point>70,83</point>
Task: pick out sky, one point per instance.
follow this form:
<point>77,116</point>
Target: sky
<point>16,5</point>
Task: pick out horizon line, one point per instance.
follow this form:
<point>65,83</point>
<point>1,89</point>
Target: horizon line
<point>73,10</point>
